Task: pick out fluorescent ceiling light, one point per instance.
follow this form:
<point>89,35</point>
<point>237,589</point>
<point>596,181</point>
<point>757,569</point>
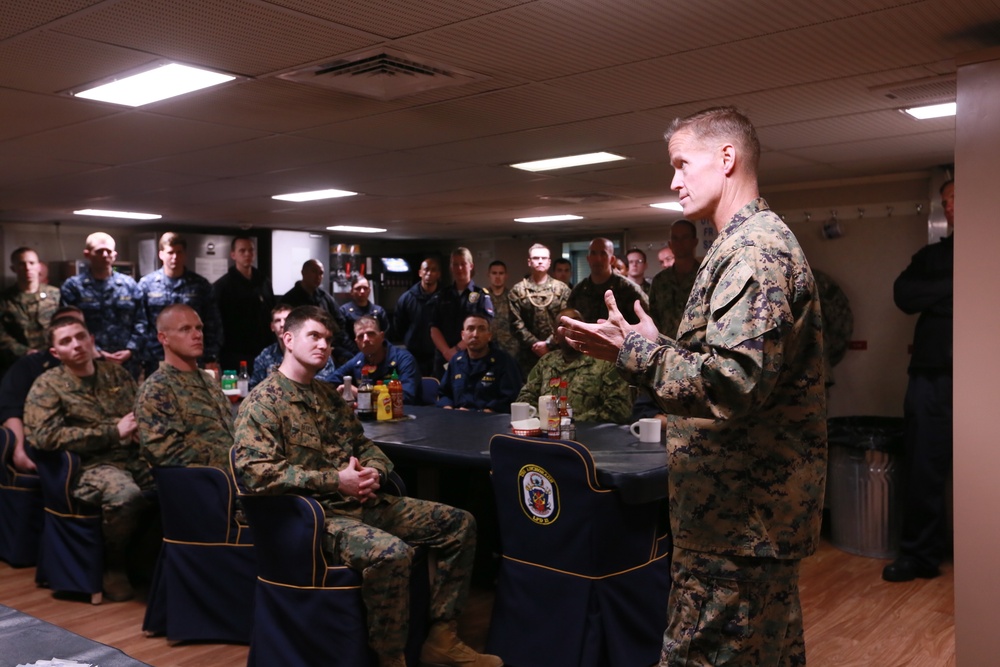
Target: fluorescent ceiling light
<point>131,215</point>
<point>352,228</point>
<point>669,206</point>
<point>933,111</point>
<point>154,85</point>
<point>550,218</point>
<point>568,161</point>
<point>314,195</point>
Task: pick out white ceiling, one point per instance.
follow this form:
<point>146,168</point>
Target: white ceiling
<point>554,77</point>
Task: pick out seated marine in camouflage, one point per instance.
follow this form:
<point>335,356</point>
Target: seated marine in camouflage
<point>596,392</point>
<point>297,435</point>
<point>85,406</point>
<point>183,416</point>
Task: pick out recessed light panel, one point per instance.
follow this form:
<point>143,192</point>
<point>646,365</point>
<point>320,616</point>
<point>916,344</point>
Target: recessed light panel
<point>314,195</point>
<point>154,85</point>
<point>130,215</point>
<point>549,218</point>
<point>933,111</point>
<point>669,206</point>
<point>359,230</point>
<point>568,161</point>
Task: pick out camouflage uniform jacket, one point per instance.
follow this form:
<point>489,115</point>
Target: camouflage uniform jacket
<point>596,392</point>
<point>534,309</point>
<point>501,326</point>
<point>65,412</point>
<point>668,296</point>
<point>23,318</point>
<point>109,307</point>
<point>184,419</point>
<point>588,298</point>
<point>743,390</point>
<point>294,438</point>
<point>157,291</point>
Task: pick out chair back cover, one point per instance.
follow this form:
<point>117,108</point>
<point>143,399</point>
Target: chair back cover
<point>21,510</point>
<point>575,552</point>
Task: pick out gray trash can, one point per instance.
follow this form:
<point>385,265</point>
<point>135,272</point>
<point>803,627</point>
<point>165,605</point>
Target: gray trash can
<point>863,484</point>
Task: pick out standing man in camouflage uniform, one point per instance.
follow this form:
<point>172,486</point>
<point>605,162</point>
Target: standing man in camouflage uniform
<point>412,317</point>
<point>535,303</point>
<point>595,390</point>
<point>108,300</point>
<point>672,286</point>
<point>743,385</point>
<point>183,416</point>
<point>503,334</point>
<point>85,406</point>
<point>25,309</point>
<point>451,305</point>
<point>245,299</point>
<point>296,435</point>
<point>588,295</point>
<point>173,283</point>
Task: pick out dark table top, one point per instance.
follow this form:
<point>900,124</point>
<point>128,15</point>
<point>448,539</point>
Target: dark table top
<point>456,437</point>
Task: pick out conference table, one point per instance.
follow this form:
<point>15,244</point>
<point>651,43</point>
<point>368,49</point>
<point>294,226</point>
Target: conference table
<point>431,435</point>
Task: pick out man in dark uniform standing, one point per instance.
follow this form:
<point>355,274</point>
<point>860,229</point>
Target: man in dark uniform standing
<point>451,305</point>
<point>925,287</point>
<point>245,299</point>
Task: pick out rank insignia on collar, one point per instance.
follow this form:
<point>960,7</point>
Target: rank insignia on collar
<point>539,494</point>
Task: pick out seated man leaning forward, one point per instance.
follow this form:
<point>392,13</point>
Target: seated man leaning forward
<point>297,435</point>
<point>85,406</point>
<point>184,418</point>
<point>381,358</point>
<point>595,389</point>
<point>482,376</point>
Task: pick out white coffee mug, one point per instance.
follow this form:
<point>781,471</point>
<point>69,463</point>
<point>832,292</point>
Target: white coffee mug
<point>647,430</point>
<point>522,411</point>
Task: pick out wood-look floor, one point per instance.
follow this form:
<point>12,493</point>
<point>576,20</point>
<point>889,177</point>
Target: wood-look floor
<point>852,618</point>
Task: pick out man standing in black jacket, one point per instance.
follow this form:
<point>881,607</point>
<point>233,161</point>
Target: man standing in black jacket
<point>925,287</point>
<point>245,300</point>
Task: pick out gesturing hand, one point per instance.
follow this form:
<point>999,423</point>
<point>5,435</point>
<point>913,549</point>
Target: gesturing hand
<point>603,339</point>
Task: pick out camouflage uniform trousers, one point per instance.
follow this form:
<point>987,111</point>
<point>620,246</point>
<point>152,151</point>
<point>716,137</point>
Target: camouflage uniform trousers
<point>118,492</point>
<point>733,611</point>
<point>379,541</point>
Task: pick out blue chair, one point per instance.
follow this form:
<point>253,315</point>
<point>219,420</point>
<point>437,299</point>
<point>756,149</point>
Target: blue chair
<point>72,547</point>
<point>429,387</point>
<point>203,585</point>
<point>21,510</point>
<point>308,611</point>
<point>584,578</point>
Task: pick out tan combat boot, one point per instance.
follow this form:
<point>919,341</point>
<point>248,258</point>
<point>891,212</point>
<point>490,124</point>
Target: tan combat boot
<point>443,648</point>
<point>116,586</point>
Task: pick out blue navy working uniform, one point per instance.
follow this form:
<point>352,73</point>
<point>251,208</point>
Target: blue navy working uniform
<point>491,382</point>
<point>157,291</point>
<point>350,312</point>
<point>396,358</point>
<point>109,308</point>
<point>448,310</point>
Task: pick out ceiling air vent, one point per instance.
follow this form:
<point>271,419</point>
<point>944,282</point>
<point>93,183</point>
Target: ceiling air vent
<point>924,90</point>
<point>382,74</point>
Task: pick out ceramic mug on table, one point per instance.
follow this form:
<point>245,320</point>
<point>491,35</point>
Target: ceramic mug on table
<point>647,430</point>
<point>522,411</point>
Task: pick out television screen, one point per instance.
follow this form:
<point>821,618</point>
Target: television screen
<point>395,265</point>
